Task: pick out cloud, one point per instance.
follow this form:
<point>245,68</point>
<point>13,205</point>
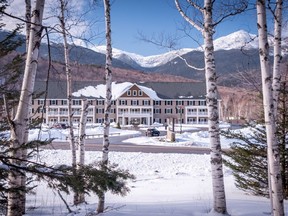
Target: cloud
<point>78,22</point>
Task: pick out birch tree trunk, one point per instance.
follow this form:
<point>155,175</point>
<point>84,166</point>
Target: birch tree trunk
<point>28,21</point>
<point>277,54</point>
<point>24,151</point>
<point>82,135</point>
<point>108,79</point>
<point>63,6</point>
<point>274,168</point>
<point>219,202</point>
<point>19,133</point>
<point>207,30</point>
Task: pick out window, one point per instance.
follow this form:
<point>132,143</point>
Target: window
<point>134,102</point>
<point>122,102</point>
<point>76,102</point>
<point>53,102</point>
<point>140,93</point>
<point>100,110</point>
<point>157,103</point>
<point>76,111</point>
<point>169,103</point>
<point>146,102</point>
<point>191,103</point>
<point>100,102</point>
<point>169,110</point>
<point>129,93</point>
<point>40,102</point>
<point>179,102</point>
<point>134,92</point>
<point>90,111</point>
<point>63,111</point>
<point>157,110</point>
<point>202,103</point>
<point>64,102</point>
<point>146,110</point>
<point>99,120</point>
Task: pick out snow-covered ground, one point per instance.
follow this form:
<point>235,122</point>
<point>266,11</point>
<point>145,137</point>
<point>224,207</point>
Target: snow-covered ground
<point>166,184</point>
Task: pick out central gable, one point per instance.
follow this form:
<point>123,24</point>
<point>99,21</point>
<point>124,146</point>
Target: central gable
<point>135,92</point>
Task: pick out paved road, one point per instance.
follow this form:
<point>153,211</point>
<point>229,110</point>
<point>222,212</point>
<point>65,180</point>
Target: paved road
<point>134,148</point>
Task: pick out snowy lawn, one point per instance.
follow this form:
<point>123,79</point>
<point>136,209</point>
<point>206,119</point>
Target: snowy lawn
<point>166,184</point>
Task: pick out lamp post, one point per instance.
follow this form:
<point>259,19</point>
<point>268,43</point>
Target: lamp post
<point>179,108</point>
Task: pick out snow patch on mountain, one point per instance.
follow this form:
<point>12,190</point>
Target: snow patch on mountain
<point>237,40</point>
<point>144,61</point>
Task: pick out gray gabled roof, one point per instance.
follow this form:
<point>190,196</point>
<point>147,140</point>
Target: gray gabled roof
<point>164,90</point>
<point>178,90</point>
<point>58,89</point>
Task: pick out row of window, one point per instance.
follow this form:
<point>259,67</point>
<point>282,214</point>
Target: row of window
<point>77,111</point>
<point>77,120</point>
<point>132,102</point>
<point>134,93</point>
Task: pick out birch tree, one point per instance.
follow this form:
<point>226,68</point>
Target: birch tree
<point>277,52</point>
<point>107,108</point>
<point>206,25</point>
<point>273,154</point>
<point>63,9</point>
<point>82,136</point>
<point>19,128</point>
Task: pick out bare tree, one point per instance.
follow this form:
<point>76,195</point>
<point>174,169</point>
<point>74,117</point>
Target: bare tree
<point>107,108</point>
<point>61,17</point>
<point>19,128</point>
<point>206,25</point>
<point>274,168</point>
<point>82,137</point>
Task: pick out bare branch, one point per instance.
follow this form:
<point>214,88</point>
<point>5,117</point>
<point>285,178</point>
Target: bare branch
<point>183,14</point>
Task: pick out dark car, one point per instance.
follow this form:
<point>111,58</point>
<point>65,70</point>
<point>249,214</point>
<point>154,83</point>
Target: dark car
<point>152,132</point>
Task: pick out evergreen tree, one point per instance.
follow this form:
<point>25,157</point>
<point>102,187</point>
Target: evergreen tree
<point>248,156</point>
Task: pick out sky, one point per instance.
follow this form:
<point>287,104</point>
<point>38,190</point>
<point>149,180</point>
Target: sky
<point>156,17</point>
<point>150,17</point>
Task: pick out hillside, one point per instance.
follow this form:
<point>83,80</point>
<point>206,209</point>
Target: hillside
<point>82,72</point>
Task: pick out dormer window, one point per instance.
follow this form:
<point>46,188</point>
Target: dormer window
<point>129,93</point>
<point>134,92</point>
<point>140,93</point>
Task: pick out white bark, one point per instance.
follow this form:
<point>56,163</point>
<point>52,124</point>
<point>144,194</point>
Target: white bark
<point>277,53</point>
<point>274,168</point>
<point>108,79</point>
<point>80,197</point>
<point>28,21</point>
<point>82,133</point>
<point>219,203</point>
<point>63,6</point>
<point>19,134</point>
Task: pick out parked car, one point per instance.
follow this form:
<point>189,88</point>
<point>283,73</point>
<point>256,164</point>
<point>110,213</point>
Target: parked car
<point>152,132</point>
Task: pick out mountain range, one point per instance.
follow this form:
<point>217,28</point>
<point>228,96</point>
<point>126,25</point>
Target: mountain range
<point>234,53</point>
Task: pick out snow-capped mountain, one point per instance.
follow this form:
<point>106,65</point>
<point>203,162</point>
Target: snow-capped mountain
<point>145,62</point>
<point>237,40</point>
<point>240,40</point>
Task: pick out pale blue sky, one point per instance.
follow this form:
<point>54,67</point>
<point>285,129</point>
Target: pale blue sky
<point>154,17</point>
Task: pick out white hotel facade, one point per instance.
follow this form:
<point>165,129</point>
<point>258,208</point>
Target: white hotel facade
<point>132,103</point>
